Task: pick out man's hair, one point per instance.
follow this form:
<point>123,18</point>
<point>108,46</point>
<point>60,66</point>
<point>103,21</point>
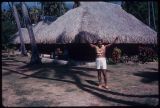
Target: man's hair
<point>99,40</point>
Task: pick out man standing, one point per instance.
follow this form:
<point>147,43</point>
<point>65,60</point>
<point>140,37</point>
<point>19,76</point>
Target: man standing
<point>101,64</point>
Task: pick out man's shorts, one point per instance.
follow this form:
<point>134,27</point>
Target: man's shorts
<point>101,63</point>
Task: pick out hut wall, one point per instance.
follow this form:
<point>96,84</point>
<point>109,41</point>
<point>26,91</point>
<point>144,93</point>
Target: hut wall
<point>83,52</point>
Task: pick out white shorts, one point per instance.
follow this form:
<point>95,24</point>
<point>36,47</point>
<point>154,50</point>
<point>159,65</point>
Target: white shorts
<point>101,63</point>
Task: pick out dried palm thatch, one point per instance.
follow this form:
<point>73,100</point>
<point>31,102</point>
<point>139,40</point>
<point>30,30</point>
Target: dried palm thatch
<point>91,21</point>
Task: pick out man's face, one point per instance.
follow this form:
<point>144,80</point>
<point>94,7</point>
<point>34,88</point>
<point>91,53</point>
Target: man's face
<point>99,43</point>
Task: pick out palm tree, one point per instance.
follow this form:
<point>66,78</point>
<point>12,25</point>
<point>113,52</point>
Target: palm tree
<point>149,19</point>
<point>35,59</point>
<point>42,7</point>
<point>34,15</point>
<point>76,3</point>
<point>53,8</point>
<point>15,13</point>
<point>153,14</point>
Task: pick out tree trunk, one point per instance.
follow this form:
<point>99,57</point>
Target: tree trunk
<point>60,9</point>
<point>24,24</point>
<point>149,19</point>
<point>123,4</point>
<point>42,4</point>
<point>153,14</point>
<point>15,13</point>
<point>76,4</point>
<point>35,59</point>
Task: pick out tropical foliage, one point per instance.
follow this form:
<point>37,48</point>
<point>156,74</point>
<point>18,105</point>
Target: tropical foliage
<point>8,28</point>
<point>141,11</point>
<point>53,8</point>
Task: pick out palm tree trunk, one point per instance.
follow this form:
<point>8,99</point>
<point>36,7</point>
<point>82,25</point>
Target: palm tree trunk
<point>60,9</point>
<point>149,19</point>
<point>123,4</point>
<point>42,4</point>
<point>35,59</point>
<point>24,24</point>
<point>76,4</point>
<point>15,13</point>
<point>153,14</point>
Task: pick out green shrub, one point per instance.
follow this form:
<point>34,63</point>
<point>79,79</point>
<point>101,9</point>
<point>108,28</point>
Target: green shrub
<point>8,29</point>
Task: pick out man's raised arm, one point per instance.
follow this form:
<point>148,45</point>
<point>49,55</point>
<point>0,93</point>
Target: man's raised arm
<point>112,42</point>
<point>91,44</point>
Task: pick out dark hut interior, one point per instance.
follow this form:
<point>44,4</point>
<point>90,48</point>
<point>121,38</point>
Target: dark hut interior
<point>83,52</point>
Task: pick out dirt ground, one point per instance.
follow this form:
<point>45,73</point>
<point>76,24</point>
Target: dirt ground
<point>61,85</point>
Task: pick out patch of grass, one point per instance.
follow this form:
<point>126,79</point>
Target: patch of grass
<point>155,59</point>
<point>110,61</point>
<point>22,100</point>
<point>151,101</point>
<point>126,84</point>
<point>70,90</point>
<point>46,85</point>
<point>39,103</point>
<point>20,90</point>
<point>23,92</point>
<point>3,99</point>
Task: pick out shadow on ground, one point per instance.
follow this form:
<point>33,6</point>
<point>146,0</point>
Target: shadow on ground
<point>148,76</point>
<point>11,59</point>
<point>60,72</point>
<point>154,69</point>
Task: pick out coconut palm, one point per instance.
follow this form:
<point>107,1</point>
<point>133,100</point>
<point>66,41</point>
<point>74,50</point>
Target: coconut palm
<point>15,13</point>
<point>76,3</point>
<point>153,15</point>
<point>34,15</point>
<point>149,18</point>
<point>53,8</point>
<point>35,59</point>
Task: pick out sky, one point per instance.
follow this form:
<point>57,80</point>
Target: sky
<point>4,5</point>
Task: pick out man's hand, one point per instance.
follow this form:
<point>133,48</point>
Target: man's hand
<point>112,42</point>
<point>116,38</point>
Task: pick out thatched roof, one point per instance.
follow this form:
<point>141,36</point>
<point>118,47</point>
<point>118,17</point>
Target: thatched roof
<point>91,21</point>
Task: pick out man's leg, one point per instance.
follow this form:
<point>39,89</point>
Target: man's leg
<point>99,78</point>
<point>99,73</point>
<point>105,78</point>
<point>105,73</point>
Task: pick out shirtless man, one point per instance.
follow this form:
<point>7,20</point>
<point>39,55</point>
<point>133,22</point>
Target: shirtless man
<point>101,64</point>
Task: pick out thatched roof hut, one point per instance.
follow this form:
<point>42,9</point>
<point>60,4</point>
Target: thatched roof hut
<point>91,21</point>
